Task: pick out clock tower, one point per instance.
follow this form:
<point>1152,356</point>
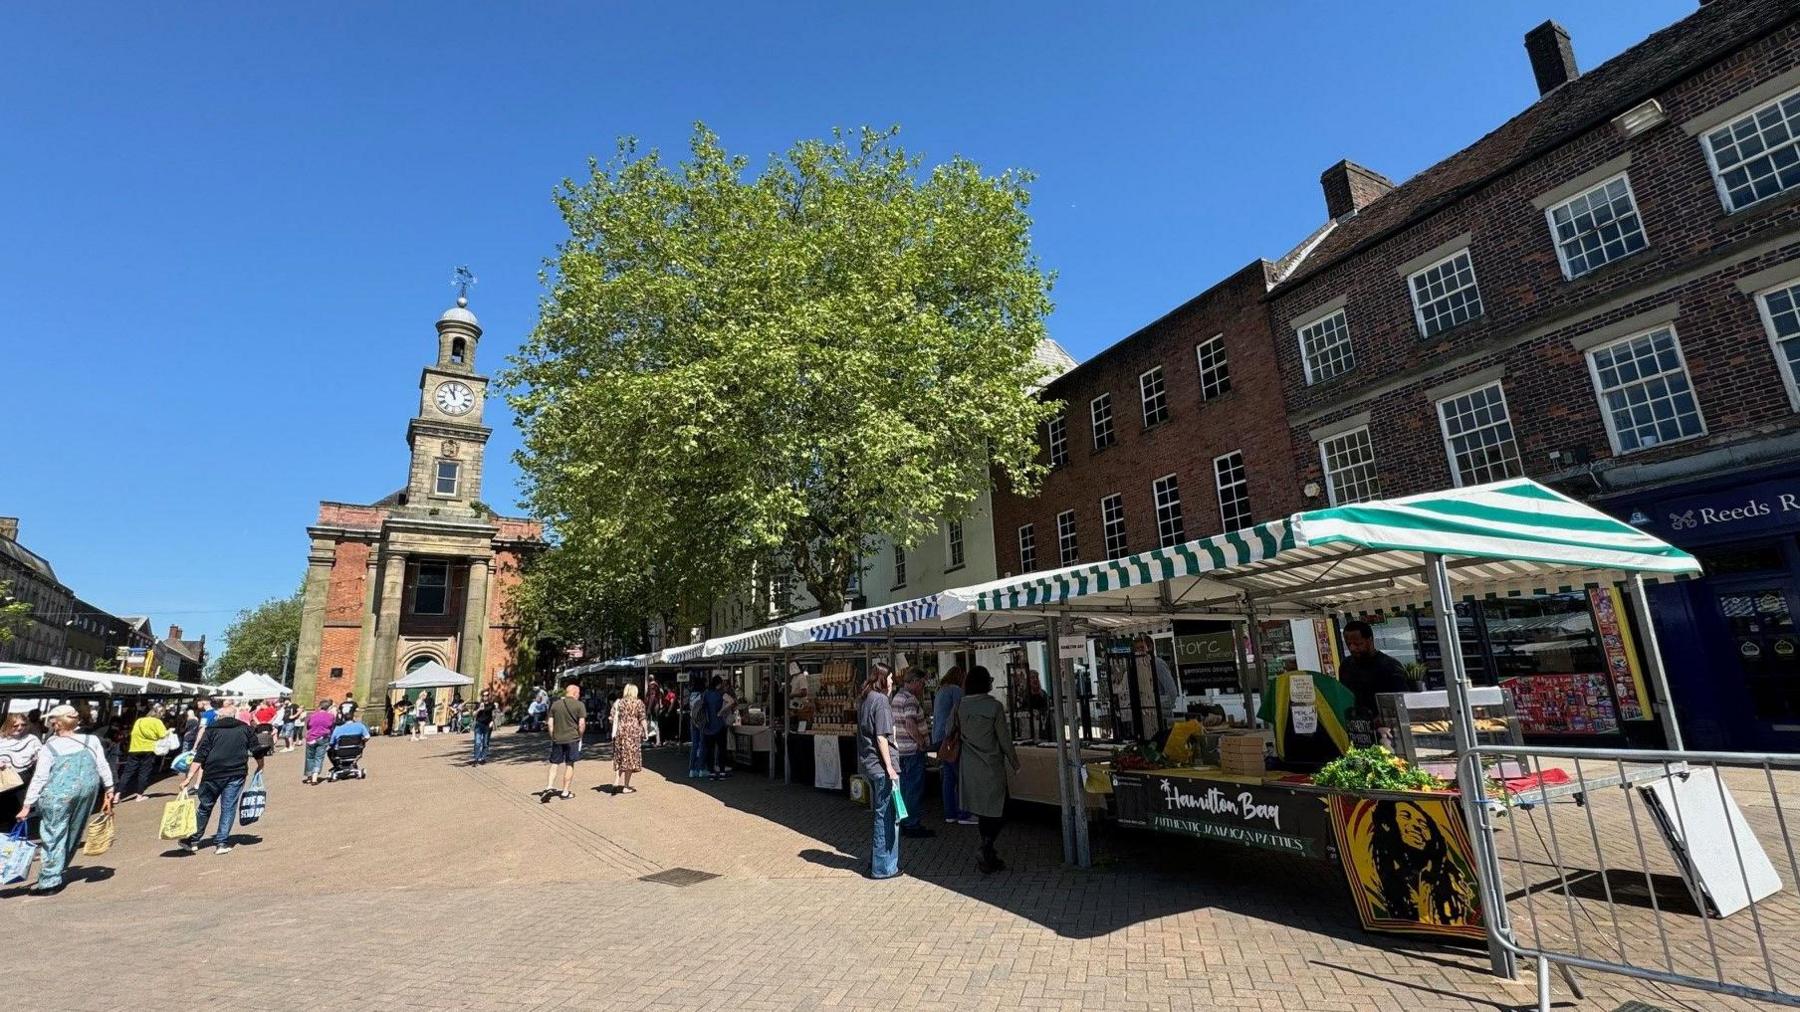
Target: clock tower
<point>447,438</point>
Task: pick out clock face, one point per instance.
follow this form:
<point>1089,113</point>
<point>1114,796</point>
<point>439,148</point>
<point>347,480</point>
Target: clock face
<point>454,397</point>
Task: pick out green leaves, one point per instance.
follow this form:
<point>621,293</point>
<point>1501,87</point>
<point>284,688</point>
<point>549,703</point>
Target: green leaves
<point>258,638</point>
<point>731,370</point>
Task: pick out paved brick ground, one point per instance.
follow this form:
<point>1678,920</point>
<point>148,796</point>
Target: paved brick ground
<point>434,884</point>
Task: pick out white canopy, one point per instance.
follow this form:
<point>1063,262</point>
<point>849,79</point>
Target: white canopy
<point>432,675</point>
<point>253,685</point>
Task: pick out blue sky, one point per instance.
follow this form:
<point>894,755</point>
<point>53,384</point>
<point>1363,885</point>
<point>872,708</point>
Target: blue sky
<point>226,229</point>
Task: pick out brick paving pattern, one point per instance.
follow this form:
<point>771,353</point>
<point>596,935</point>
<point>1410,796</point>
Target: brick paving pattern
<point>434,884</point>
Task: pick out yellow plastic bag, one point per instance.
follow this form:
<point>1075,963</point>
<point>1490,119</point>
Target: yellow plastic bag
<point>99,834</point>
<point>1180,749</point>
<point>179,818</point>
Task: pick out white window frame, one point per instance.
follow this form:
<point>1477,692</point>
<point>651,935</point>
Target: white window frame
<point>1412,290</point>
<point>1306,361</point>
<point>1331,490</point>
<point>1456,475</point>
<point>1096,420</point>
<point>1068,539</point>
<point>1056,434</point>
<point>1562,256</point>
<point>437,478</point>
<point>1243,483</point>
<point>1157,491</point>
<point>1027,548</point>
<point>953,545</point>
<point>1782,365</point>
<point>899,566</point>
<point>1162,395</point>
<point>1712,157</point>
<point>1112,522</point>
<point>1606,415</point>
<point>1220,370</point>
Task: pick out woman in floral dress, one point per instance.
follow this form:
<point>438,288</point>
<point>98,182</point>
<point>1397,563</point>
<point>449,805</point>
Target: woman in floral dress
<point>628,740</point>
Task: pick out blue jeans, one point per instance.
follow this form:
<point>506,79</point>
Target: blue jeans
<point>884,856</point>
<point>315,756</point>
<point>697,754</point>
<point>912,788</point>
<point>224,793</point>
<point>483,734</point>
<point>952,801</point>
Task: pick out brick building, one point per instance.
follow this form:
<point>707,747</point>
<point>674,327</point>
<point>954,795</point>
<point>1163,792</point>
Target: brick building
<point>1602,293</point>
<point>425,574</point>
<point>1176,432</point>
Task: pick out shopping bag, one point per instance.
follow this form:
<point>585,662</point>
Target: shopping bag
<point>899,806</point>
<point>181,762</point>
<point>99,834</point>
<point>255,800</point>
<point>179,818</point>
<point>16,853</point>
<point>166,744</point>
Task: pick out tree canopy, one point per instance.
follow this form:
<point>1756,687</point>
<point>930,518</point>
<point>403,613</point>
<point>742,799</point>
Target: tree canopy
<point>258,638</point>
<point>732,372</point>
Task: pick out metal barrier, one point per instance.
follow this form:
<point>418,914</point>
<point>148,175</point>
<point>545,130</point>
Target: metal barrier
<point>1662,866</point>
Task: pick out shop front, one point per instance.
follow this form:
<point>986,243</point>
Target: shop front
<point>1730,637</point>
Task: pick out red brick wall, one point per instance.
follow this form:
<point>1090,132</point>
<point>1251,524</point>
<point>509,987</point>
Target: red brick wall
<point>1549,391</point>
<point>337,649</point>
<point>349,575</point>
<point>501,641</point>
<point>1249,418</point>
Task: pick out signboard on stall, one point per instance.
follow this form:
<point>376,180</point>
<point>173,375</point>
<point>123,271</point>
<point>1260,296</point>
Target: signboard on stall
<point>1246,814</point>
<point>1206,656</point>
<point>1071,648</point>
<point>1408,864</point>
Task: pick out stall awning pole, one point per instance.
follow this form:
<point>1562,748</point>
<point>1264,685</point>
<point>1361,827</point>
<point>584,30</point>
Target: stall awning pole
<point>1472,782</point>
<point>1052,631</point>
<point>1084,851</point>
<point>1659,676</point>
<point>769,708</point>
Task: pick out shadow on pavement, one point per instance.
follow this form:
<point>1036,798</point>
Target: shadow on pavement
<point>1137,877</point>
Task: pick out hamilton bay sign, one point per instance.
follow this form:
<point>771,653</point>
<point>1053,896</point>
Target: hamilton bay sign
<point>1736,512</point>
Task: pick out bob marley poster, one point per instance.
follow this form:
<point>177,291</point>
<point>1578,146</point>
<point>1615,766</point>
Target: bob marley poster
<point>1409,866</point>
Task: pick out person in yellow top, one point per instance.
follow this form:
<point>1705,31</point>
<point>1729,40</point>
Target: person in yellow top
<point>141,760</point>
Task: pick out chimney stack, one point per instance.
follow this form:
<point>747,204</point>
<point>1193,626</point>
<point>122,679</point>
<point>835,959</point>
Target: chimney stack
<point>1350,187</point>
<point>174,632</point>
<point>1552,56</point>
<point>9,528</point>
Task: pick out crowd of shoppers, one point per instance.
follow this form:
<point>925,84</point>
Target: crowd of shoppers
<point>975,749</point>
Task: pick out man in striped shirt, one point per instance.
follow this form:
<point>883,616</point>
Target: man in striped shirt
<point>913,739</point>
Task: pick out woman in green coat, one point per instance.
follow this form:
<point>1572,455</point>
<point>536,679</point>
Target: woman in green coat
<point>987,752</point>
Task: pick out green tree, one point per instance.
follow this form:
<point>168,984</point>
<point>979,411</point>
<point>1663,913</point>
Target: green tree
<point>732,372</point>
<point>14,614</point>
<point>258,639</point>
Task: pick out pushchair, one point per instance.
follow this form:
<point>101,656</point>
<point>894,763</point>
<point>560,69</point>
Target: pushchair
<point>346,757</point>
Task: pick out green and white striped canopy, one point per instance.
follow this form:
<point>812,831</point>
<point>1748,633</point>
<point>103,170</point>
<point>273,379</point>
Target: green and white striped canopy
<point>1508,538</point>
<point>43,676</point>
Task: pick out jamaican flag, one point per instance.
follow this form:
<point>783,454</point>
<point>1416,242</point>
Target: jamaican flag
<point>1308,712</point>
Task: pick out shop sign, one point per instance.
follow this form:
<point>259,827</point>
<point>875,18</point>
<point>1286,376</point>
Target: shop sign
<point>1750,509</point>
<point>1206,655</point>
<point>1071,648</point>
<point>1288,822</point>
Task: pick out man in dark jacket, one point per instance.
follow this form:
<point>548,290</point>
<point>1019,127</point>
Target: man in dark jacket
<point>1367,671</point>
<point>220,765</point>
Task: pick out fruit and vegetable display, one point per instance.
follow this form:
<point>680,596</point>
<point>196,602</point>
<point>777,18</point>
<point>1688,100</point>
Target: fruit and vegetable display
<point>1141,756</point>
<point>1375,769</point>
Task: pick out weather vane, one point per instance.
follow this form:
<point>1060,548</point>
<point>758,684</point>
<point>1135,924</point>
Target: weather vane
<point>461,279</point>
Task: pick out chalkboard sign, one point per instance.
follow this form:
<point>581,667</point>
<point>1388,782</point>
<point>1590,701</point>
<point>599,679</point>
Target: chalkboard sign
<point>1206,656</point>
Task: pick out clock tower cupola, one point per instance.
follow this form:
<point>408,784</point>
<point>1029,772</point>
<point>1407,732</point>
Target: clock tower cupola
<point>446,437</point>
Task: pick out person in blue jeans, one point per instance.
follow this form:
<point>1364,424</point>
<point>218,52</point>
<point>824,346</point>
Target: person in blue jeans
<point>943,728</point>
<point>876,755</point>
<point>697,727</point>
<point>484,727</point>
<point>220,765</point>
<point>318,738</point>
<point>913,741</point>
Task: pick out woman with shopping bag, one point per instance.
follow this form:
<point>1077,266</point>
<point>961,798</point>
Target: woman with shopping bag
<point>71,775</point>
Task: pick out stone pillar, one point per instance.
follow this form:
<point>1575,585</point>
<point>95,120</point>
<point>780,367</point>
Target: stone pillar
<point>365,644</point>
<point>312,619</point>
<point>472,652</point>
<point>373,690</point>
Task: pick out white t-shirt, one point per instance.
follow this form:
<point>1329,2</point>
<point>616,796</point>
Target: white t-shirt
<point>59,745</point>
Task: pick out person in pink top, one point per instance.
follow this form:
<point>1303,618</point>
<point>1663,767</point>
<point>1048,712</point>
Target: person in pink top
<point>318,737</point>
